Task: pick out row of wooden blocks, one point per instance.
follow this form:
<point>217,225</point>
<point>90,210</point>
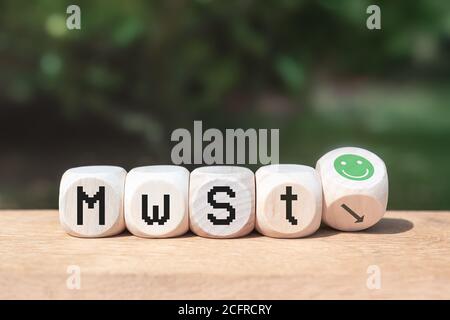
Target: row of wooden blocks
<point>348,190</point>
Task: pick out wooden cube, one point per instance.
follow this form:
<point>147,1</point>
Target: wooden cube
<point>91,201</point>
<point>355,188</point>
<point>222,201</point>
<point>156,201</point>
<point>289,201</point>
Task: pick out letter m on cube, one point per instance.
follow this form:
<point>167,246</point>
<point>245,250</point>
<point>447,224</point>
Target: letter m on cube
<point>99,198</point>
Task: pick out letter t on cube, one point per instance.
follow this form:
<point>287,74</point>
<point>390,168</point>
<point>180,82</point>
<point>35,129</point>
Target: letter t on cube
<point>91,201</point>
<point>289,200</point>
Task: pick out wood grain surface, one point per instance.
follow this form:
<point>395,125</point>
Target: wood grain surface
<point>412,250</point>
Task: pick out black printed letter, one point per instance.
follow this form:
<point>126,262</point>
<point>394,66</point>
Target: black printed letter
<point>225,205</point>
<point>288,197</point>
<point>155,218</point>
<point>99,196</point>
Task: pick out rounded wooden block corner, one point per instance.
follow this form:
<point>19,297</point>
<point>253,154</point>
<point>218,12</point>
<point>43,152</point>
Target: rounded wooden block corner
<point>222,201</point>
<point>91,201</point>
<point>156,201</point>
<point>355,188</point>
<point>289,201</point>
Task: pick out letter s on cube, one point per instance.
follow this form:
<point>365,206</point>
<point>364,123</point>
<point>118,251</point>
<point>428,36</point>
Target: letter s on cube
<point>222,201</point>
<point>91,201</point>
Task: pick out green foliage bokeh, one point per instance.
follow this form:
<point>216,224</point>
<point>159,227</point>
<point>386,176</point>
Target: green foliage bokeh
<point>310,68</point>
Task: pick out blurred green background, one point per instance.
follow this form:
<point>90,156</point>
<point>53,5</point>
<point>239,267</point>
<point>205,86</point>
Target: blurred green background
<point>112,92</point>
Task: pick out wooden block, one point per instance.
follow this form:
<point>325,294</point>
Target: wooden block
<point>355,188</point>
<point>156,201</point>
<point>222,201</point>
<point>289,201</point>
<point>91,201</point>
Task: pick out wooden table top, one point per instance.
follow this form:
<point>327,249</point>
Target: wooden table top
<point>411,251</point>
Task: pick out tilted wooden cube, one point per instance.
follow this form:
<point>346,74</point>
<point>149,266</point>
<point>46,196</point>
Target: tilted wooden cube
<point>289,201</point>
<point>156,201</point>
<point>355,188</point>
<point>91,201</point>
<point>222,201</point>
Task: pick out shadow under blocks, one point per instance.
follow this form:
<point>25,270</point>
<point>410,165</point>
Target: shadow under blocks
<point>384,226</point>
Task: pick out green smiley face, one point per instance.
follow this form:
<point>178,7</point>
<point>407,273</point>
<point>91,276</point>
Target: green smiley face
<point>353,167</point>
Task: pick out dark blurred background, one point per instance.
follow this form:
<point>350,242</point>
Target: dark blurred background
<point>112,92</point>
